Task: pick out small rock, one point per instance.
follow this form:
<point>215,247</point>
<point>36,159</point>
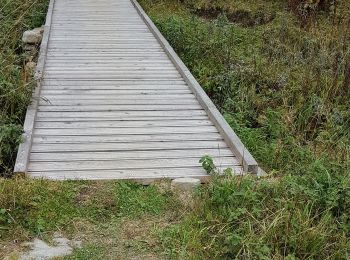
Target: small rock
<point>30,67</point>
<point>33,36</point>
<point>40,250</point>
<point>185,184</point>
<point>261,173</point>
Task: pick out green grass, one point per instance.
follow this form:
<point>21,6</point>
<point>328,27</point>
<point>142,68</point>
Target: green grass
<point>88,252</point>
<point>34,207</point>
<point>135,200</point>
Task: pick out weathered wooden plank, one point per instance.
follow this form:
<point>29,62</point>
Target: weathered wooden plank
<point>98,69</point>
<point>123,57</point>
<point>118,101</point>
<point>124,164</point>
<point>125,138</point>
<point>50,98</point>
<point>110,70</point>
<point>94,108</point>
<point>112,76</point>
<point>114,92</point>
<point>94,33</point>
<point>59,82</point>
<point>99,64</point>
<point>110,65</point>
<point>117,114</point>
<point>75,53</point>
<point>195,154</point>
<point>101,27</point>
<point>127,174</point>
<point>104,39</point>
<point>120,124</point>
<point>120,118</point>
<point>150,59</point>
<point>119,21</point>
<point>125,130</point>
<point>135,146</point>
<point>114,57</point>
<point>101,34</point>
<point>171,73</point>
<point>116,86</point>
<point>96,46</point>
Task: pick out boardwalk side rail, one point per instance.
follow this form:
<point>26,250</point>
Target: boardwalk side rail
<point>232,140</point>
<point>27,137</point>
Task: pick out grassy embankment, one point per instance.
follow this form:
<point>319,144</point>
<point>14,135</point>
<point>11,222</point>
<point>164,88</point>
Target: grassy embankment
<point>283,85</point>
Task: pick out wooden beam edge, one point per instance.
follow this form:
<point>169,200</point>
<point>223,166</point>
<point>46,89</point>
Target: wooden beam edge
<point>23,153</point>
<point>233,141</point>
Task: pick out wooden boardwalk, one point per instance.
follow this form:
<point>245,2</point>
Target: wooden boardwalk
<point>114,101</point>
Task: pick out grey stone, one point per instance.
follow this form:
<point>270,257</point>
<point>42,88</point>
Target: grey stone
<point>33,36</point>
<point>261,173</point>
<point>185,184</point>
<point>40,250</point>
